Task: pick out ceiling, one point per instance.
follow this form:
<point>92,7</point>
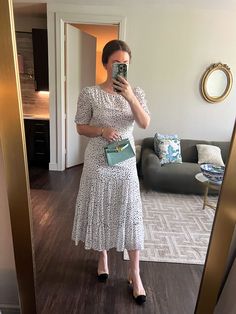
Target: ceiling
<point>30,9</point>
<point>36,8</point>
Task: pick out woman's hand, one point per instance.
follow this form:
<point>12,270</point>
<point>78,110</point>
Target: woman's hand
<point>124,88</point>
<point>140,116</point>
<point>110,134</point>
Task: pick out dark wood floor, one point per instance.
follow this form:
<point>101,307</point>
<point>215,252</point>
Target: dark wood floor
<point>66,274</point>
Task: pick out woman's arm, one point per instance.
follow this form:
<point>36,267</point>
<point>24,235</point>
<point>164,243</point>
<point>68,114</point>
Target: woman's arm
<point>94,131</point>
<point>89,130</point>
<point>140,115</point>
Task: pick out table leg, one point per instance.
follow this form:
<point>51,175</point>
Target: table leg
<point>205,196</point>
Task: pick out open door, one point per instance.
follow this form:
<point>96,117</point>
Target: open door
<point>80,69</point>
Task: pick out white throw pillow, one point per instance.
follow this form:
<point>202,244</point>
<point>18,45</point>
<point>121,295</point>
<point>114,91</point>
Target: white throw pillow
<point>209,154</point>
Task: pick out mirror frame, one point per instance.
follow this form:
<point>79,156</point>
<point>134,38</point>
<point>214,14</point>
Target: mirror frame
<point>215,267</point>
<point>17,175</point>
<point>15,165</point>
<point>208,72</point>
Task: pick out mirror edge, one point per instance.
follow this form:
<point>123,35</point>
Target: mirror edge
<point>15,165</point>
<point>221,236</point>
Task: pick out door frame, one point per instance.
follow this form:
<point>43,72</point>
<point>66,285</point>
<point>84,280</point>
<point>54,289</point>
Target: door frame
<point>58,109</point>
<point>75,145</point>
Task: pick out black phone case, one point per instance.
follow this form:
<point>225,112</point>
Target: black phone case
<point>119,69</point>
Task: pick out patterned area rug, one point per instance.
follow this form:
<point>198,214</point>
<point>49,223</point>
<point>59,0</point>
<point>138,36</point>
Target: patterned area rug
<point>176,227</point>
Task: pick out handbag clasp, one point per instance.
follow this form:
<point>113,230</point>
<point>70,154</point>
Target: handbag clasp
<point>121,148</point>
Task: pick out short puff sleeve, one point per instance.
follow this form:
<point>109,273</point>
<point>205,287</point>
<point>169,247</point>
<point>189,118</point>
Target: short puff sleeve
<point>139,93</point>
<point>84,107</point>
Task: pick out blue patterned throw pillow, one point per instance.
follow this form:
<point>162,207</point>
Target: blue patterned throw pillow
<point>158,137</point>
<point>167,148</point>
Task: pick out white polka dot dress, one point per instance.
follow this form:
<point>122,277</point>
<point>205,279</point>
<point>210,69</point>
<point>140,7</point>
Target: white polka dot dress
<point>108,211</point>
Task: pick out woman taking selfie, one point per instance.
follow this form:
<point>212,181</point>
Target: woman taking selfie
<point>108,210</point>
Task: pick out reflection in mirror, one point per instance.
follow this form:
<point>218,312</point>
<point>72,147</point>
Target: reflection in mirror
<point>70,272</point>
<point>216,82</point>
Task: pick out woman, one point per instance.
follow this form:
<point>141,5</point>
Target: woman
<point>108,207</point>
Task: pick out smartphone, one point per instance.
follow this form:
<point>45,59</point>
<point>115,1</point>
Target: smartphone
<point>119,69</point>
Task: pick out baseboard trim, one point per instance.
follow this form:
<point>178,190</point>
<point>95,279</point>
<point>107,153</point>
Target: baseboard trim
<point>9,306</point>
<point>53,166</point>
<point>9,309</point>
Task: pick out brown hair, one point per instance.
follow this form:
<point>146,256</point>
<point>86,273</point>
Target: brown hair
<point>112,46</point>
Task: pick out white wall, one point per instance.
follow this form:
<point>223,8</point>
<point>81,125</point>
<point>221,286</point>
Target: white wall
<point>172,46</point>
<point>26,23</point>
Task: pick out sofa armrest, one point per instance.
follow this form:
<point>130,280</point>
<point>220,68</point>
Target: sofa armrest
<point>150,160</point>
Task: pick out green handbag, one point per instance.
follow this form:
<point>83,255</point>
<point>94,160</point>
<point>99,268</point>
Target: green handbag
<point>118,151</point>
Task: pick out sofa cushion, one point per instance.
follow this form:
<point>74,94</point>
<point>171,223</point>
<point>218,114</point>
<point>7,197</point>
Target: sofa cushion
<point>185,168</point>
<point>209,154</point>
<point>224,146</point>
<point>174,178</point>
<point>189,149</point>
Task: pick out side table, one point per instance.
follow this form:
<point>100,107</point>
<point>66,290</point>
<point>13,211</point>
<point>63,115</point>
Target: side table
<point>208,185</point>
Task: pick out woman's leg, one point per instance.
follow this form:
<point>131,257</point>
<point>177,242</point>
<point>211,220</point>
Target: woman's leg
<point>103,262</point>
<point>134,270</point>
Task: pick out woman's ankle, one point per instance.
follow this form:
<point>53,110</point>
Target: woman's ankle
<point>103,254</point>
<point>135,270</point>
<point>103,262</point>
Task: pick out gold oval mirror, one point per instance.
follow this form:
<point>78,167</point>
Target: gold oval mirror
<point>216,82</point>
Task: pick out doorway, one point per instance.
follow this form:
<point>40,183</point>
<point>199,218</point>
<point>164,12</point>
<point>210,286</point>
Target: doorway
<point>83,47</point>
<point>57,95</point>
<point>103,34</point>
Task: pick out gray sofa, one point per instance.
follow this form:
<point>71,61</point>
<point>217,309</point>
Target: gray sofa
<point>175,178</point>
